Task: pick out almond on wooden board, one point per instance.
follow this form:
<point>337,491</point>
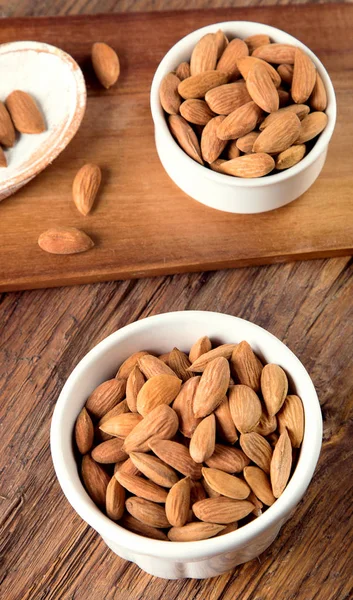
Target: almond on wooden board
<point>196,111</point>
<point>199,365</point>
<point>224,423</point>
<point>249,165</point>
<point>286,73</point>
<point>107,395</point>
<point>254,41</point>
<point>150,366</point>
<point>134,383</point>
<point>211,145</point>
<point>85,187</point>
<point>281,464</point>
<point>183,406</point>
<point>121,425</point>
<point>25,113</point>
<point>201,346</point>
<point>222,510</point>
<point>115,500</point>
<point>177,504</point>
<point>248,62</point>
<point>7,131</point>
<point>226,98</point>
<point>228,61</point>
<point>185,136</point>
<point>162,422</point>
<point>245,407</point>
<point>226,484</point>
<point>203,441</point>
<point>257,448</point>
<point>179,363</point>
<point>318,98</point>
<point>261,88</point>
<point>260,484</point>
<point>304,77</point>
<point>159,389</point>
<point>177,456</point>
<point>279,135</point>
<point>228,459</point>
<point>84,432</point>
<point>154,469</point>
<point>132,524</point>
<point>212,387</point>
<point>142,488</point>
<point>192,532</point>
<point>246,142</point>
<point>276,53</point>
<point>301,110</point>
<point>291,417</point>
<point>239,122</point>
<point>183,71</point>
<point>128,364</point>
<point>147,512</point>
<point>168,94</point>
<point>245,364</point>
<point>64,240</point>
<point>204,54</point>
<point>274,387</point>
<point>311,126</point>
<point>197,86</point>
<point>105,63</point>
<point>290,157</point>
<point>109,452</point>
<point>95,480</point>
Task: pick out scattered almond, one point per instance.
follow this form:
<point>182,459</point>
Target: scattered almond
<point>276,53</point>
<point>227,459</point>
<point>64,240</point>
<point>160,423</point>
<point>257,448</point>
<point>221,41</point>
<point>128,364</point>
<point>200,347</point>
<point>212,387</point>
<point>179,363</point>
<point>239,122</point>
<point>150,366</point>
<point>95,480</point>
<point>224,423</point>
<point>109,452</point>
<point>183,406</point>
<point>168,94</point>
<point>254,41</point>
<point>141,487</point>
<point>248,62</point>
<point>200,364</point>
<point>286,73</point>
<point>134,383</point>
<point>176,456</point>
<point>132,524</point>
<point>233,150</point>
<point>262,89</point>
<point>121,425</point>
<point>245,364</point>
<point>301,110</point>
<point>183,71</point>
<point>245,407</point>
<point>196,111</point>
<point>105,63</point>
<point>246,142</point>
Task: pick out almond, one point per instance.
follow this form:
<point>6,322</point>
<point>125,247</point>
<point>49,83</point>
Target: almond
<point>211,145</point>
<point>304,77</point>
<point>221,41</point>
<point>291,417</point>
<point>150,366</point>
<point>228,97</point>
<point>211,493</point>
<point>254,41</point>
<point>274,387</point>
<point>197,86</point>
<point>95,480</point>
<point>176,456</point>
<point>249,165</point>
<point>154,468</point>
<point>25,113</point>
<point>200,347</point>
<point>85,187</point>
<point>128,364</point>
<point>239,122</point>
<point>193,532</point>
<point>224,424</point>
<point>200,364</point>
<point>84,432</point>
<point>228,61</point>
<point>64,240</point>
<point>261,88</point>
<point>197,491</point>
<point>141,487</point>
<point>290,157</point>
<point>257,504</point>
<point>183,406</point>
<point>318,98</point>
<point>257,449</point>
<point>284,97</point>
<point>276,53</point>
<point>159,389</point>
<point>115,500</point>
<point>245,364</point>
<point>3,160</point>
<point>248,62</point>
<point>164,357</point>
<point>260,484</point>
<point>183,71</point>
<point>105,397</point>
<point>179,363</point>
<point>177,504</point>
<point>246,142</point>
<point>225,484</point>
<point>266,425</point>
<point>311,126</point>
<point>216,165</point>
<point>126,466</point>
<point>228,459</point>
<point>132,524</point>
<point>168,94</point>
<point>121,425</point>
<point>147,512</point>
<point>203,441</point>
<point>185,136</point>
<point>7,131</point>
<point>162,422</point>
<point>228,529</point>
<point>109,452</point>
<point>196,111</point>
<point>245,407</point>
<point>119,409</point>
<point>222,510</point>
<point>105,63</point>
<point>134,383</point>
<point>279,135</point>
<point>233,150</point>
<point>204,55</point>
<point>301,110</point>
<point>281,464</point>
<point>212,387</point>
<point>286,73</point>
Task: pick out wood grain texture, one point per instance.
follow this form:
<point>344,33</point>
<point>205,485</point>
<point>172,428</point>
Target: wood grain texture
<point>143,224</point>
<point>48,552</point>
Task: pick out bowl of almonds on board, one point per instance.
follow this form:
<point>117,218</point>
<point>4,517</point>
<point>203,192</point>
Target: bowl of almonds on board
<point>186,440</point>
<point>243,116</point>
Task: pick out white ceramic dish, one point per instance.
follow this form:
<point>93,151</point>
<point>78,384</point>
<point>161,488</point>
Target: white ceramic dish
<point>224,192</point>
<point>56,82</point>
<point>174,560</point>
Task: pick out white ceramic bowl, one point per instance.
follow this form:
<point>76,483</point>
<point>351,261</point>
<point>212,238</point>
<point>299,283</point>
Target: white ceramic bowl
<point>224,192</point>
<point>174,560</point>
<point>56,82</point>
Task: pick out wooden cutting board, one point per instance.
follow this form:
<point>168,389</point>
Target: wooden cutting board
<point>143,224</point>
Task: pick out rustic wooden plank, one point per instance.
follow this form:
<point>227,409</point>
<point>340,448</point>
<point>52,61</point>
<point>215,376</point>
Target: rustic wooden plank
<point>156,228</point>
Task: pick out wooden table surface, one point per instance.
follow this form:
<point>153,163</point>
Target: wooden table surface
<point>48,552</point>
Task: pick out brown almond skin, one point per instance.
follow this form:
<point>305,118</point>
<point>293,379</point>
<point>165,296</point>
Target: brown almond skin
<point>228,459</point>
<point>211,145</point>
<point>226,484</point>
<point>183,406</point>
<point>132,524</point>
<point>65,240</point>
<point>260,484</point>
<point>192,532</point>
<point>291,417</point>
<point>150,366</point>
<point>318,98</point>
<point>249,165</point>
<point>257,448</point>
<point>168,94</point>
<point>246,142</point>
<point>301,110</point>
<point>276,53</point>
<point>262,89</point>
<point>245,364</point>
<point>200,347</point>
<point>85,187</point>
<point>177,504</point>
<point>177,456</point>
<point>121,425</point>
<point>161,422</point>
<point>311,126</point>
<point>107,395</point>
<point>200,364</point>
<point>179,362</point>
<point>154,469</point>
<point>115,500</point>
<point>290,157</point>
<point>105,63</point>
<point>279,135</point>
<point>254,41</point>
<point>128,364</point>
<point>147,512</point>
<point>109,452</point>
<point>222,510</point>
<point>143,488</point>
<point>228,97</point>
<point>248,62</point>
<point>212,387</point>
<point>7,131</point>
<point>224,423</point>
<point>281,464</point>
<point>185,136</point>
<point>232,150</point>
<point>196,111</point>
<point>274,387</point>
<point>183,71</point>
<point>134,383</point>
<point>204,55</point>
<point>222,42</point>
<point>228,61</point>
<point>95,480</point>
<point>239,122</point>
<point>245,407</point>
<point>304,77</point>
<point>202,443</point>
<point>286,73</point>
<point>159,389</point>
<point>84,432</point>
<point>25,113</point>
<point>3,161</point>
<point>197,86</point>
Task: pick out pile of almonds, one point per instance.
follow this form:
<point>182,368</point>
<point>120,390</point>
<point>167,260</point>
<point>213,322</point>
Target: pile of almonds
<point>245,107</point>
<point>187,447</point>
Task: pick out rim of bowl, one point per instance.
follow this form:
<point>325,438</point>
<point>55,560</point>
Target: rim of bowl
<point>61,446</point>
<point>321,143</point>
<point>71,125</point>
